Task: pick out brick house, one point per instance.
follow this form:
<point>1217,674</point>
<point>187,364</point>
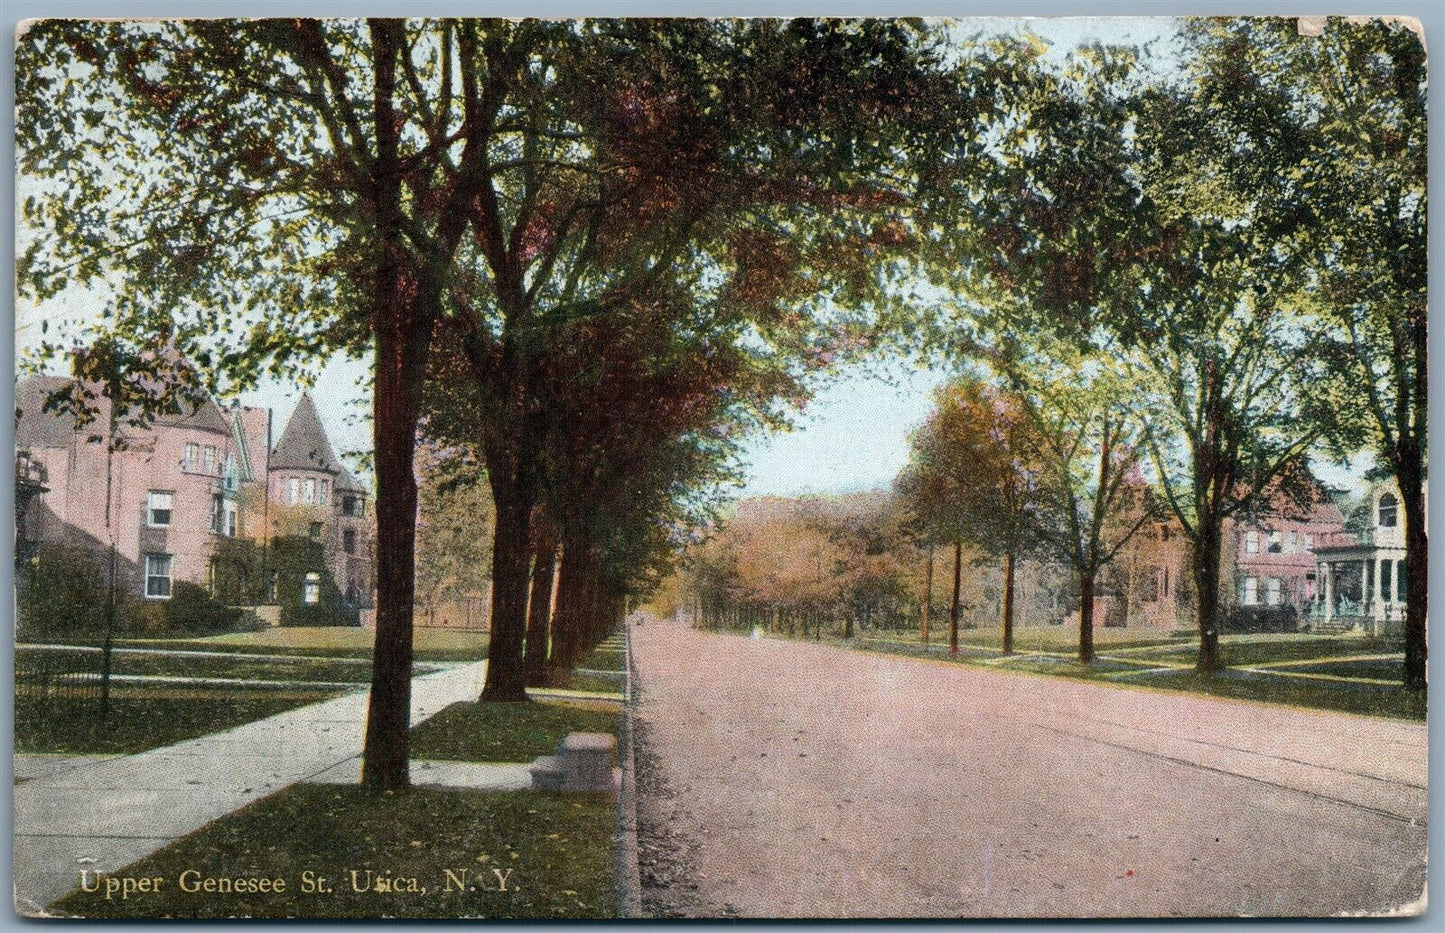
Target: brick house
<point>189,486</point>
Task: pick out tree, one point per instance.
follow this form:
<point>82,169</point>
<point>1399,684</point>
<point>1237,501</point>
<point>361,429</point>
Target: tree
<point>1129,219</point>
<point>452,541</point>
<point>1091,495</point>
<point>974,478</point>
<point>263,194</point>
<point>1343,157</point>
<point>747,164</point>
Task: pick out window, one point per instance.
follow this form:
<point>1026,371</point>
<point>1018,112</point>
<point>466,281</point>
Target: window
<point>218,513</point>
<point>348,540</point>
<point>192,454</point>
<point>1293,541</point>
<point>1166,583</point>
<point>230,520</point>
<point>1389,510</point>
<point>1309,542</point>
<point>295,491</point>
<point>311,589</point>
<point>1251,542</point>
<point>351,505</point>
<point>1271,591</point>
<point>1276,542</point>
<point>158,576</point>
<point>1385,567</point>
<point>1400,581</point>
<point>158,509</point>
<point>308,492</point>
<point>315,530</point>
<point>1249,593</point>
<point>322,489</point>
<point>1163,532</point>
<point>210,459</point>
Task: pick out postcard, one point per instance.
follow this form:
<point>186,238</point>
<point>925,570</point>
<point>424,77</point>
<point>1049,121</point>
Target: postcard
<point>818,468</point>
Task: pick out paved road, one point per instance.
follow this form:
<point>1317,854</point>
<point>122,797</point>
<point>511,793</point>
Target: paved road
<point>104,814</point>
<point>791,779</point>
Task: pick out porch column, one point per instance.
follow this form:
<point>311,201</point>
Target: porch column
<point>1329,590</point>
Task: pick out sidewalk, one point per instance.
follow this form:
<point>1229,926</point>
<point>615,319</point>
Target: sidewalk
<point>105,815</point>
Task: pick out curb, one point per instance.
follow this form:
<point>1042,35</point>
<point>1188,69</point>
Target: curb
<point>629,879</point>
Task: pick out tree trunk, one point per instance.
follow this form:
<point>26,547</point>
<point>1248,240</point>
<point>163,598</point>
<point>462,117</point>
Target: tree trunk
<point>539,610</point>
<point>1008,602</point>
<point>1205,559</point>
<point>568,622</point>
<point>511,554</point>
<point>927,595</point>
<point>402,327</point>
<point>953,605</point>
<point>1417,565</point>
<point>1086,618</point>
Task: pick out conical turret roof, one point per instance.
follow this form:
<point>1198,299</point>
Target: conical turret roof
<point>304,444</point>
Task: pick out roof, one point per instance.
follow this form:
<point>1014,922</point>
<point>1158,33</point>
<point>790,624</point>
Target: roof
<point>36,427</point>
<point>304,444</point>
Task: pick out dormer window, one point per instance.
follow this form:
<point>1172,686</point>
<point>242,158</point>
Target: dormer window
<point>1389,510</point>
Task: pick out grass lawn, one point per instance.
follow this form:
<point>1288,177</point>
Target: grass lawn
<point>1391,670</point>
<point>431,644</point>
<point>142,719</point>
<point>555,851</point>
<point>505,731</point>
<point>1237,651</point>
<point>596,683</point>
<point>171,665</point>
<point>605,657</point>
<point>1063,638</point>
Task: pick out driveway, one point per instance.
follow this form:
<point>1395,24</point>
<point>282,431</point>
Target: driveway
<point>788,779</point>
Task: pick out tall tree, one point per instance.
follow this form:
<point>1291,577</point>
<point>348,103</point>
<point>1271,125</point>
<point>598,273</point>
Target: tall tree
<point>264,194</point>
<point>747,163</point>
<point>1092,496</point>
<point>1335,112</point>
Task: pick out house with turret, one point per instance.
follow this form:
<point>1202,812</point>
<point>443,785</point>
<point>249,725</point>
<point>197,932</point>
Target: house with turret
<point>197,496</point>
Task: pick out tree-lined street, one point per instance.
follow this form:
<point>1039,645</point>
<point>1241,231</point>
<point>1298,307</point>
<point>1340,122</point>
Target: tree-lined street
<point>796,780</point>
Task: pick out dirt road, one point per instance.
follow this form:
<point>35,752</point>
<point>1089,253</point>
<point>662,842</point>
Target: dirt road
<point>786,779</point>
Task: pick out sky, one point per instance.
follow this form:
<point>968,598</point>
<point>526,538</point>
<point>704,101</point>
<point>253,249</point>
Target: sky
<point>853,435</point>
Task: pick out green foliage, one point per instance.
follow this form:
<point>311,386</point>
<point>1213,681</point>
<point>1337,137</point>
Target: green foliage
<point>61,594</point>
<point>65,593</point>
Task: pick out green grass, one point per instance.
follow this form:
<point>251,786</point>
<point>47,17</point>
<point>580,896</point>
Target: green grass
<point>1064,638</point>
<point>1236,650</point>
<point>505,731</point>
<point>1394,702</point>
<point>596,683</point>
<point>445,645</point>
<point>142,719</point>
<point>557,846</point>
<point>125,662</point>
<point>1249,650</point>
<point>1373,670</point>
<point>604,658</point>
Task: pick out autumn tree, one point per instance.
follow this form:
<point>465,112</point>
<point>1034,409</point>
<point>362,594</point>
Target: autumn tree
<point>453,522</point>
<point>974,478</point>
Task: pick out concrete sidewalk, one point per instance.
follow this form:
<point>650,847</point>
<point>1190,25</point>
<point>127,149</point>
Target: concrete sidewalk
<point>107,814</point>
